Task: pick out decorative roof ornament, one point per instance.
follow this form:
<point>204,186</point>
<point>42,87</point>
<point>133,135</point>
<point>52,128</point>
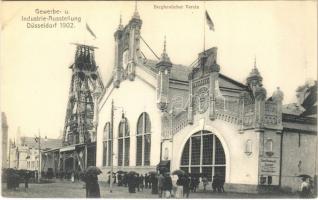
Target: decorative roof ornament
<point>164,61</point>
<point>215,67</point>
<point>164,55</point>
<point>120,26</point>
<point>278,95</point>
<point>255,62</point>
<point>136,14</point>
<point>254,76</point>
<point>255,71</point>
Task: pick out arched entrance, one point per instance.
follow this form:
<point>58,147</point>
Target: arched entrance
<point>203,153</point>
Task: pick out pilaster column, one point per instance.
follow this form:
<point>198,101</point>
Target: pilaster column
<point>190,107</point>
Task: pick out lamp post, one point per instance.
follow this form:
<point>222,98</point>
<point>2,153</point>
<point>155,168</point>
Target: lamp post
<point>38,140</point>
<point>96,95</point>
<point>112,153</point>
<point>10,146</point>
<point>113,108</point>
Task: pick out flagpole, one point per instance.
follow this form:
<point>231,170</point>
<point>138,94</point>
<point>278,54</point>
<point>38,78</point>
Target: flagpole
<point>204,27</point>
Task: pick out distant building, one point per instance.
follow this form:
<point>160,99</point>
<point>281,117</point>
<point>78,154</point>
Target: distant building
<point>4,125</point>
<point>25,154</point>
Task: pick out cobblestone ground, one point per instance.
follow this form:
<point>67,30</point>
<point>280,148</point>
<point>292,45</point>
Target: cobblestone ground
<point>66,189</point>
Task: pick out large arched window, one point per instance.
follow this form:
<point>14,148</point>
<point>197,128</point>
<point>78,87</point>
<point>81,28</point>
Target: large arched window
<point>123,143</point>
<point>143,140</point>
<point>203,154</point>
<point>107,145</point>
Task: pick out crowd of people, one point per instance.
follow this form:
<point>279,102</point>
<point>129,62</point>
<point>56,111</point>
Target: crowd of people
<point>161,183</point>
<point>136,182</point>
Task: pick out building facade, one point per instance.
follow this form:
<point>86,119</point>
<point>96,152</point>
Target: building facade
<point>24,153</point>
<point>5,127</point>
<point>154,113</point>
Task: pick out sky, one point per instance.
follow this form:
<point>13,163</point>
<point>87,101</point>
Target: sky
<point>35,74</point>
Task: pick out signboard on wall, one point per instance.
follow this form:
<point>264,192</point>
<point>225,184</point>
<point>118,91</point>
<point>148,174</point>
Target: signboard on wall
<point>269,166</point>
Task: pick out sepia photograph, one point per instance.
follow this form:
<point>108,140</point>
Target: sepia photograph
<point>158,99</point>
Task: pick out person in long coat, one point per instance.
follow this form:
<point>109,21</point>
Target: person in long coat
<point>179,191</point>
<point>124,180</point>
<point>146,180</point>
<point>304,189</point>
<point>141,182</point>
<point>137,186</point>
<point>131,183</point>
<point>221,184</point>
<point>205,182</point>
<point>215,183</point>
<point>167,185</point>
<point>160,184</point>
<point>120,183</point>
<point>92,186</point>
<point>26,180</point>
<point>154,184</point>
<point>186,185</point>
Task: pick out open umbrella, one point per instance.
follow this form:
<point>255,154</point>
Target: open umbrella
<point>178,172</point>
<point>304,176</point>
<point>132,173</point>
<point>93,170</point>
<point>120,172</point>
<point>152,172</point>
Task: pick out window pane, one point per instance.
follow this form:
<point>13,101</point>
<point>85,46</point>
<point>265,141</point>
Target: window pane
<point>220,171</point>
<point>109,153</point>
<point>120,152</point>
<point>127,146</point>
<point>110,136</point>
<point>206,167</point>
<point>195,170</point>
<point>204,132</point>
<point>186,169</point>
<point>121,129</point>
<point>126,128</point>
<point>207,172</point>
<point>269,145</point>
<point>219,152</point>
<point>207,149</point>
<point>197,133</point>
<point>139,151</point>
<point>140,125</point>
<point>195,151</point>
<point>106,131</point>
<point>147,149</point>
<point>148,123</point>
<point>104,153</point>
<point>185,154</point>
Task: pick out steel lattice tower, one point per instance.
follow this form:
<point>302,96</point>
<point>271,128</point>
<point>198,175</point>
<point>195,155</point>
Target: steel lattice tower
<point>85,88</point>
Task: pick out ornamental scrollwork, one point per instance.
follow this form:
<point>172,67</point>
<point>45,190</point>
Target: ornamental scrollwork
<point>201,100</point>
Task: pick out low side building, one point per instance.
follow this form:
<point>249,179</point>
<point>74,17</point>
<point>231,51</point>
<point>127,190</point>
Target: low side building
<point>299,138</point>
<point>25,154</point>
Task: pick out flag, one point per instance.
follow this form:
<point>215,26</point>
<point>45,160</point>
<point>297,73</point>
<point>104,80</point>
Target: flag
<point>209,21</point>
<point>90,31</point>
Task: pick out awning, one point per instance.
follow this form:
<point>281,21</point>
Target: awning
<point>67,149</point>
